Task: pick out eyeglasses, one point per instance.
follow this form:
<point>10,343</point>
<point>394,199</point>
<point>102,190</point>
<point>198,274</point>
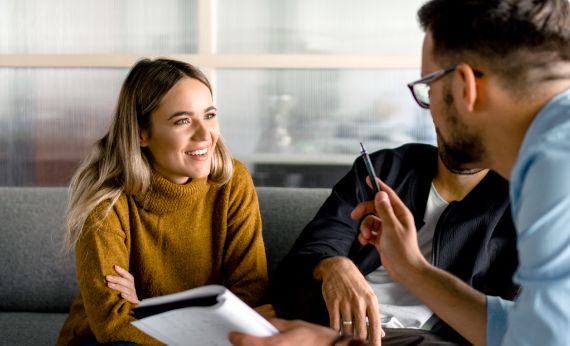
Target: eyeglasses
<point>420,88</point>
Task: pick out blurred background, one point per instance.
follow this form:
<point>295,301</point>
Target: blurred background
<point>297,83</point>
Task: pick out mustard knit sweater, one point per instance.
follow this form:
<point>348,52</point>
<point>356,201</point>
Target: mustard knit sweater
<point>173,238</point>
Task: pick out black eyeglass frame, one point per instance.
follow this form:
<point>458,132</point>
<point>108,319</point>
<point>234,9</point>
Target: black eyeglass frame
<point>428,79</point>
<point>433,77</point>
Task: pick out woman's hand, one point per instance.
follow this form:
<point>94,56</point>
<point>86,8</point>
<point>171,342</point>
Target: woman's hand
<point>349,299</point>
<point>125,284</point>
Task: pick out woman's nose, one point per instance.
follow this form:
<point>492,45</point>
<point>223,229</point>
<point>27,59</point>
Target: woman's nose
<point>201,131</point>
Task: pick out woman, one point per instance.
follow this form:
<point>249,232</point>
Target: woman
<point>161,197</point>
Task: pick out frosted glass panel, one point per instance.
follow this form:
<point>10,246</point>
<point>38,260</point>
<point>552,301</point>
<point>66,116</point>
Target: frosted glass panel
<point>50,118</point>
<point>319,26</point>
<point>309,115</point>
<point>102,26</point>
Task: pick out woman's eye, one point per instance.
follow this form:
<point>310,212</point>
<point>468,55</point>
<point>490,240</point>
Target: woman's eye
<point>182,121</point>
<point>210,115</point>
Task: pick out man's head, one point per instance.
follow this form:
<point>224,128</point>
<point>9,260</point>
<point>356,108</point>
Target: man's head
<point>483,53</point>
<point>520,41</point>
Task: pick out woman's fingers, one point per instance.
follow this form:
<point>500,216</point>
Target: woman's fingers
<point>124,273</point>
<point>119,281</point>
<point>124,284</point>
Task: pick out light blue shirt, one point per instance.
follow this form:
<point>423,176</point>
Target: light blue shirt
<point>540,202</point>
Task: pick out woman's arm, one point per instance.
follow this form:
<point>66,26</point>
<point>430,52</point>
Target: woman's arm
<point>102,246</point>
<point>244,262</point>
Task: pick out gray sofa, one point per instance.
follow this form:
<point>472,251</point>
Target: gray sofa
<point>38,284</point>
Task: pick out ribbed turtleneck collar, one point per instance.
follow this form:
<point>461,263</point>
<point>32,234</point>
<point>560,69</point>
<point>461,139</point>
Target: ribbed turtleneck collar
<point>164,196</point>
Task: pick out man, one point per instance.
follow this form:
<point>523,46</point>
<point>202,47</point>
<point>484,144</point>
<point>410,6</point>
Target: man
<point>500,99</point>
<point>464,226</point>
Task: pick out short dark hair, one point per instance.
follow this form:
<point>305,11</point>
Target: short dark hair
<point>509,37</point>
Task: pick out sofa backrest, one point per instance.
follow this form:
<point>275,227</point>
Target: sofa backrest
<point>284,213</point>
<point>37,277</point>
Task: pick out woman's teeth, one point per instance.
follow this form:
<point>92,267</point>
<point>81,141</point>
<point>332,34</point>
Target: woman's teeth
<point>198,152</point>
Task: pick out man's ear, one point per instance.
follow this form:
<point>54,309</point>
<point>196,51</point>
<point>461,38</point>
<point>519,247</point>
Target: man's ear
<point>143,137</point>
<point>467,92</point>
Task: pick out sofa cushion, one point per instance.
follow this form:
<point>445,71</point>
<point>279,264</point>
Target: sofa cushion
<point>36,276</point>
<point>30,328</point>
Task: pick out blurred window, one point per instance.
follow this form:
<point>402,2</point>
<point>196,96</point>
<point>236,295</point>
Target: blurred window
<point>297,83</point>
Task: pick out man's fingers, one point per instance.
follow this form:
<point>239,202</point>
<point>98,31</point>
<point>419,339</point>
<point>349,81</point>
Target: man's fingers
<point>384,210</point>
<point>334,317</point>
<point>332,304</point>
<point>281,324</point>
<point>370,229</point>
<point>347,319</point>
<point>400,210</point>
<point>360,324</point>
<point>363,209</point>
<point>371,224</point>
<point>240,339</point>
<point>374,325</point>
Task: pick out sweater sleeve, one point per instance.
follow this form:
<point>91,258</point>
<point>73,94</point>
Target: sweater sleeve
<point>245,265</point>
<point>103,245</point>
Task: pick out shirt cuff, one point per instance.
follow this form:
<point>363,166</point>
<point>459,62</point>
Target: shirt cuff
<point>497,319</point>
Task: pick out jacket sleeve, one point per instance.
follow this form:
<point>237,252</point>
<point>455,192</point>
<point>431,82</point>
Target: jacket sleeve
<point>504,260</point>
<point>244,262</point>
<point>295,294</point>
<point>103,245</point>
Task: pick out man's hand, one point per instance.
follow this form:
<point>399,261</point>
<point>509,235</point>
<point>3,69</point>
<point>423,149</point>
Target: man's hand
<point>389,226</point>
<point>349,298</point>
<point>266,311</point>
<point>294,333</point>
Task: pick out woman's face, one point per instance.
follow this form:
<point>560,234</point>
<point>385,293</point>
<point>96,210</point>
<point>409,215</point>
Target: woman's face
<point>184,131</point>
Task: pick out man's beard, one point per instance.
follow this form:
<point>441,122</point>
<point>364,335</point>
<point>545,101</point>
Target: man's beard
<point>464,147</point>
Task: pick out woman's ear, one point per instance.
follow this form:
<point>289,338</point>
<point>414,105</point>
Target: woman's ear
<point>143,137</point>
<point>467,89</point>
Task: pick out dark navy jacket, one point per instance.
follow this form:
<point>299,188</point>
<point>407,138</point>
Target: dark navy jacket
<point>474,239</point>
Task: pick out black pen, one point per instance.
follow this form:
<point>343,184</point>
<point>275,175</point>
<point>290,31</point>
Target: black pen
<point>369,168</point>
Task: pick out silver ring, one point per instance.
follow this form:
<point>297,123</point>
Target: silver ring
<point>346,323</point>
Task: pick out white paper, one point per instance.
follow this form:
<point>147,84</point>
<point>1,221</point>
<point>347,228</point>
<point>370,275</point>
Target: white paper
<point>203,325</point>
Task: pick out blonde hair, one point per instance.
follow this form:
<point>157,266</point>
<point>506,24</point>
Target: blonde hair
<point>116,164</point>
